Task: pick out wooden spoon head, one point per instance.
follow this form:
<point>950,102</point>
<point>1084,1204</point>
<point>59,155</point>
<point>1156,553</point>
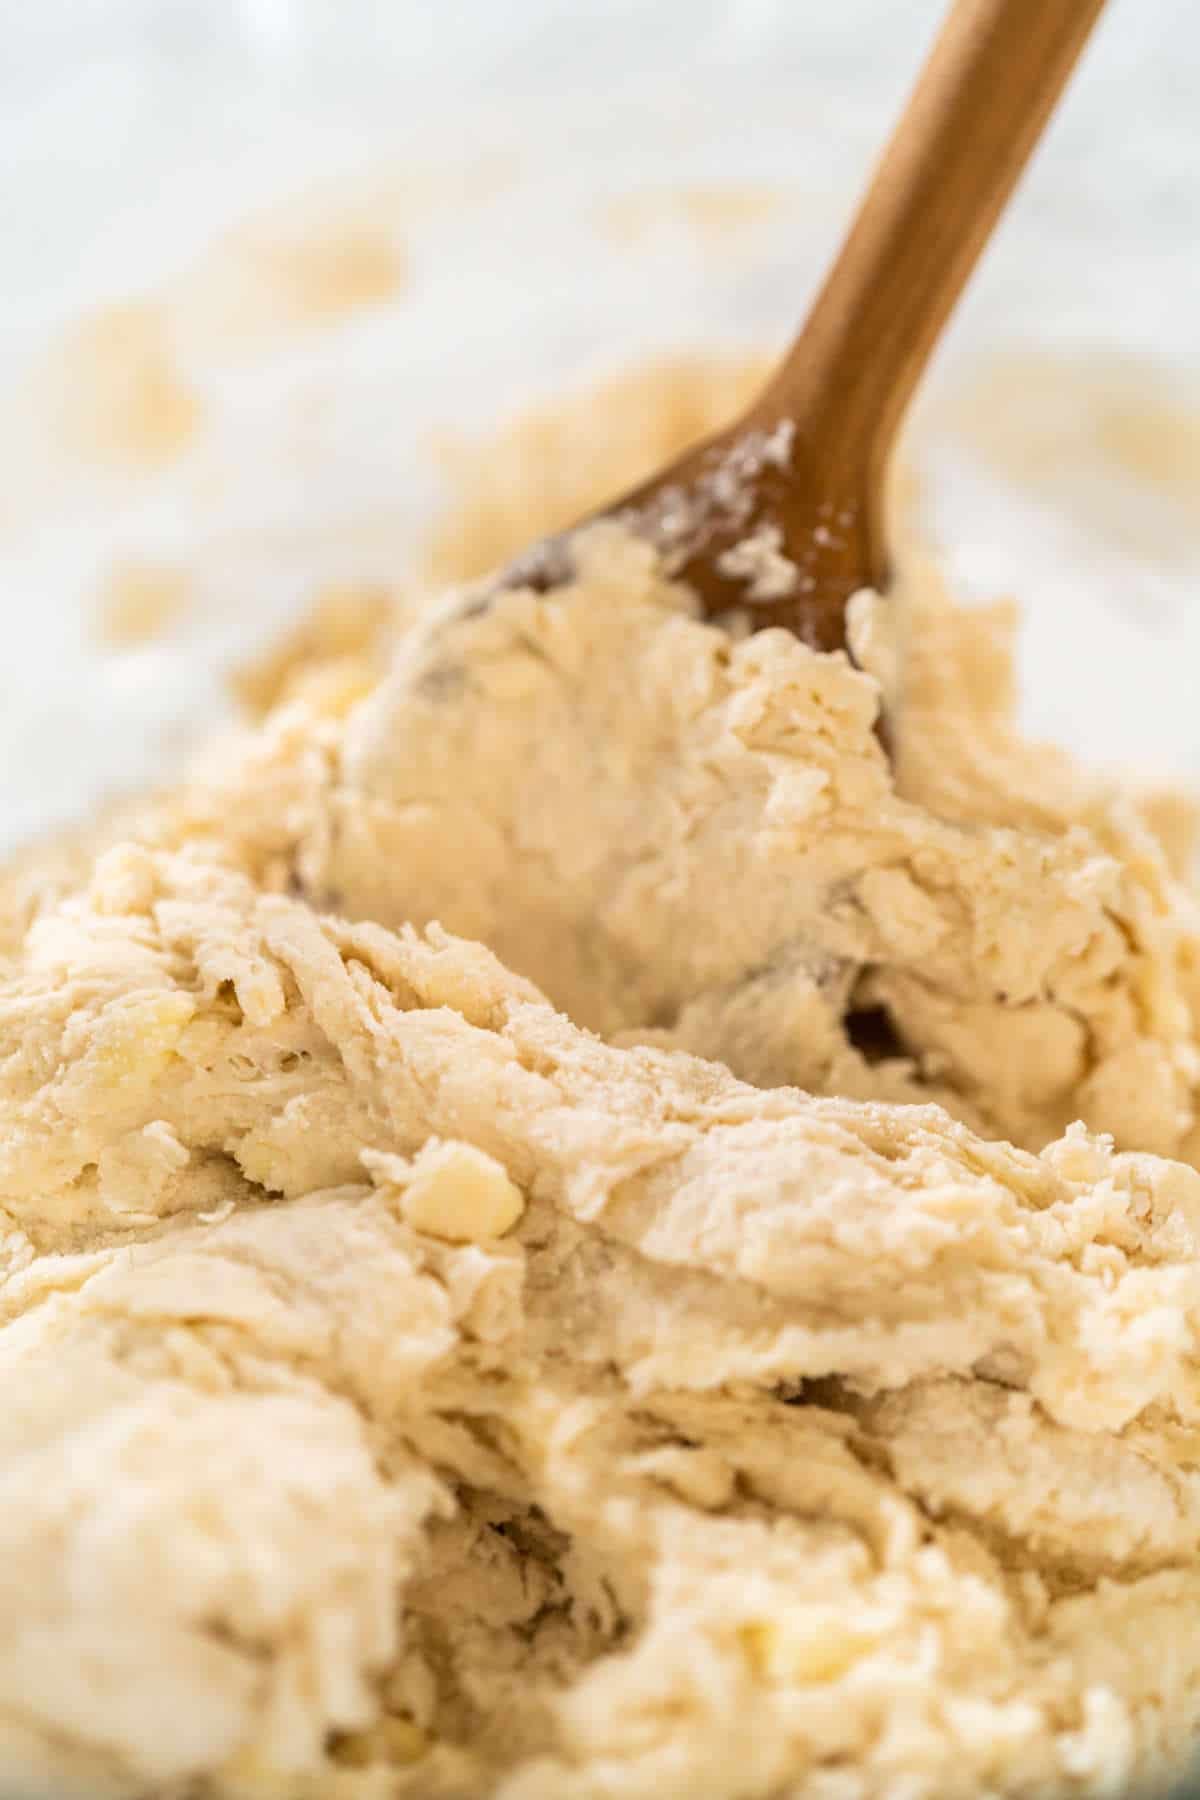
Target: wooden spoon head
<point>752,523</point>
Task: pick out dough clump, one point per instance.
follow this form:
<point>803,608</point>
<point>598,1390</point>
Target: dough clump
<point>569,1226</point>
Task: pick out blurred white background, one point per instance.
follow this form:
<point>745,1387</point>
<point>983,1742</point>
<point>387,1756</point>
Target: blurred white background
<point>517,163</point>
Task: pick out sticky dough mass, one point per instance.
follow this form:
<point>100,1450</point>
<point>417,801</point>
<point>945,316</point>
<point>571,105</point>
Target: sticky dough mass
<point>571,1226</point>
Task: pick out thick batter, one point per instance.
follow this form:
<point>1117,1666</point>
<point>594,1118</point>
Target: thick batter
<point>749,1379</point>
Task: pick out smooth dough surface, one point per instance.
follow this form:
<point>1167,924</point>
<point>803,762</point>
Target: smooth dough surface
<point>569,1227</point>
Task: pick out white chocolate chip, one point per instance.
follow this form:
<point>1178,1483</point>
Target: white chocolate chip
<point>461,1194</point>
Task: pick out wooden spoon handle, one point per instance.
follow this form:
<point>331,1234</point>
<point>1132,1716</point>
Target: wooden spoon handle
<point>978,109</point>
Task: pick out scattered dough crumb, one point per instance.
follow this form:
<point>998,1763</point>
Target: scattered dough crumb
<point>714,214</point>
<point>115,390</point>
<point>139,600</point>
<point>759,561</point>
<point>307,267</point>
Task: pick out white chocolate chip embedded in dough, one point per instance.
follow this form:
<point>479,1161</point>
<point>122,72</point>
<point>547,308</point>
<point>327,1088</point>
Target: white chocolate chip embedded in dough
<point>456,1192</point>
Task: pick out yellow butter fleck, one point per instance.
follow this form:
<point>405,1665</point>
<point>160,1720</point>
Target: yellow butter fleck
<point>137,1041</point>
<point>813,1644</point>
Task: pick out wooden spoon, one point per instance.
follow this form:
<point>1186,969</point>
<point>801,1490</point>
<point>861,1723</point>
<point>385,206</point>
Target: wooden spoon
<point>800,477</point>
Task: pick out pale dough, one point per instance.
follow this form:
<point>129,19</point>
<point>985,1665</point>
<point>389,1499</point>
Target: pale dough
<point>698,842</point>
<point>412,1389</point>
